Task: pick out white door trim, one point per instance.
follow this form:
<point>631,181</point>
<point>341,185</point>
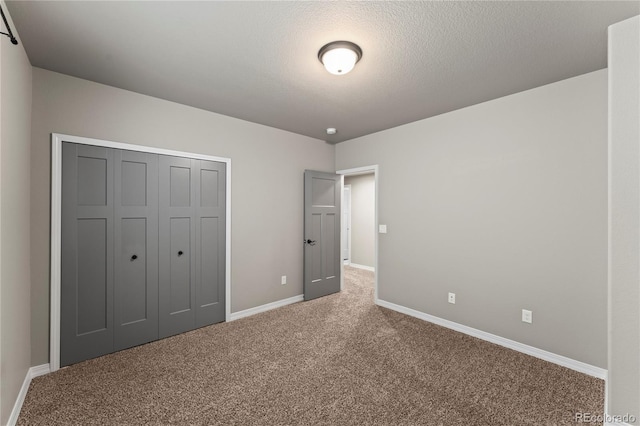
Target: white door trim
<point>56,224</point>
<point>376,176</point>
<point>348,222</point>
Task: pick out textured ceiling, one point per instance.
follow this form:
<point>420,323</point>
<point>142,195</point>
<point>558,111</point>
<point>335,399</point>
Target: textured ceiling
<point>258,60</point>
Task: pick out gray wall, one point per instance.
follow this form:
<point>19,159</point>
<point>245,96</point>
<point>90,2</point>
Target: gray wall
<point>624,148</point>
<point>267,180</point>
<point>15,280</point>
<point>362,219</point>
<point>505,204</point>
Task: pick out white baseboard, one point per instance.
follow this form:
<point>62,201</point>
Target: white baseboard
<point>573,364</point>
<point>366,268</point>
<point>267,307</point>
<point>38,370</point>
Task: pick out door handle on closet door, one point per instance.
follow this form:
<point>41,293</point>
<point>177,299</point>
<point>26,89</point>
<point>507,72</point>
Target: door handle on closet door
<point>134,257</point>
<point>180,253</point>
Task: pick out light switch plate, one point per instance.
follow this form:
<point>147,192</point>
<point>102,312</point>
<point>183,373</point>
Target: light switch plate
<point>382,229</point>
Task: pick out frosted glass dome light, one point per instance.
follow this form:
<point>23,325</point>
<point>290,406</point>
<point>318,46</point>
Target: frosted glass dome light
<point>339,57</point>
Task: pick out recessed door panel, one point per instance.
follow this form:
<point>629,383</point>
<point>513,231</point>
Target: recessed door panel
<point>209,183</point>
<point>180,186</point>
<point>133,183</point>
<point>92,181</point>
<point>323,192</point>
<point>330,244</point>
<point>314,248</point>
<point>133,254</point>
<point>92,275</point>
<point>180,263</point>
<point>209,261</point>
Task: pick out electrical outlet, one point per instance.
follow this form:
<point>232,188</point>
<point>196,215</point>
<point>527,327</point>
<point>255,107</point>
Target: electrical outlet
<point>452,298</point>
<point>283,280</point>
<point>527,316</point>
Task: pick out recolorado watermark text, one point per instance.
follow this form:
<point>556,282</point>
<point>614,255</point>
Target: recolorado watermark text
<point>604,418</point>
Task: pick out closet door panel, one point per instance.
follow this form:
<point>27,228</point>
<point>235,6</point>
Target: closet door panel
<point>177,244</point>
<point>208,260</point>
<point>180,265</point>
<point>92,177</point>
<point>136,242</point>
<point>211,242</point>
<point>212,178</point>
<point>86,287</point>
<point>132,283</point>
<point>136,178</point>
<point>180,183</point>
<point>92,288</point>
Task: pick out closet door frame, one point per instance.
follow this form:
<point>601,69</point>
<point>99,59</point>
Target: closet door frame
<point>56,224</point>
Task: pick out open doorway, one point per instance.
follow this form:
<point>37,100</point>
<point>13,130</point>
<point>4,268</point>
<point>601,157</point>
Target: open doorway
<point>359,232</point>
<point>359,211</point>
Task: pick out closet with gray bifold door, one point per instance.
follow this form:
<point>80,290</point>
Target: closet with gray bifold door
<point>143,248</point>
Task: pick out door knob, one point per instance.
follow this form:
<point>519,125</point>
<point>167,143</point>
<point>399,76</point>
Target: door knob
<point>180,253</point>
<point>311,242</point>
<point>134,257</point>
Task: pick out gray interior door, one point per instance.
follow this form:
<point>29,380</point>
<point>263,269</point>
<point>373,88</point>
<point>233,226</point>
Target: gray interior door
<point>136,248</point>
<point>321,233</point>
<point>86,304</point>
<point>210,242</point>
<point>177,243</point>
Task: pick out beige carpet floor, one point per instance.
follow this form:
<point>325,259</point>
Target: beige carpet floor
<point>338,360</point>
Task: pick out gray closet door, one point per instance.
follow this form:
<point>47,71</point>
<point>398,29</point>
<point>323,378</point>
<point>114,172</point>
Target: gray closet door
<point>177,244</point>
<point>86,319</point>
<point>210,242</point>
<point>136,248</point>
<point>143,248</point>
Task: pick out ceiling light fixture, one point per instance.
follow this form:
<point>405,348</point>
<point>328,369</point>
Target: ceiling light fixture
<point>331,131</point>
<point>339,57</point>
